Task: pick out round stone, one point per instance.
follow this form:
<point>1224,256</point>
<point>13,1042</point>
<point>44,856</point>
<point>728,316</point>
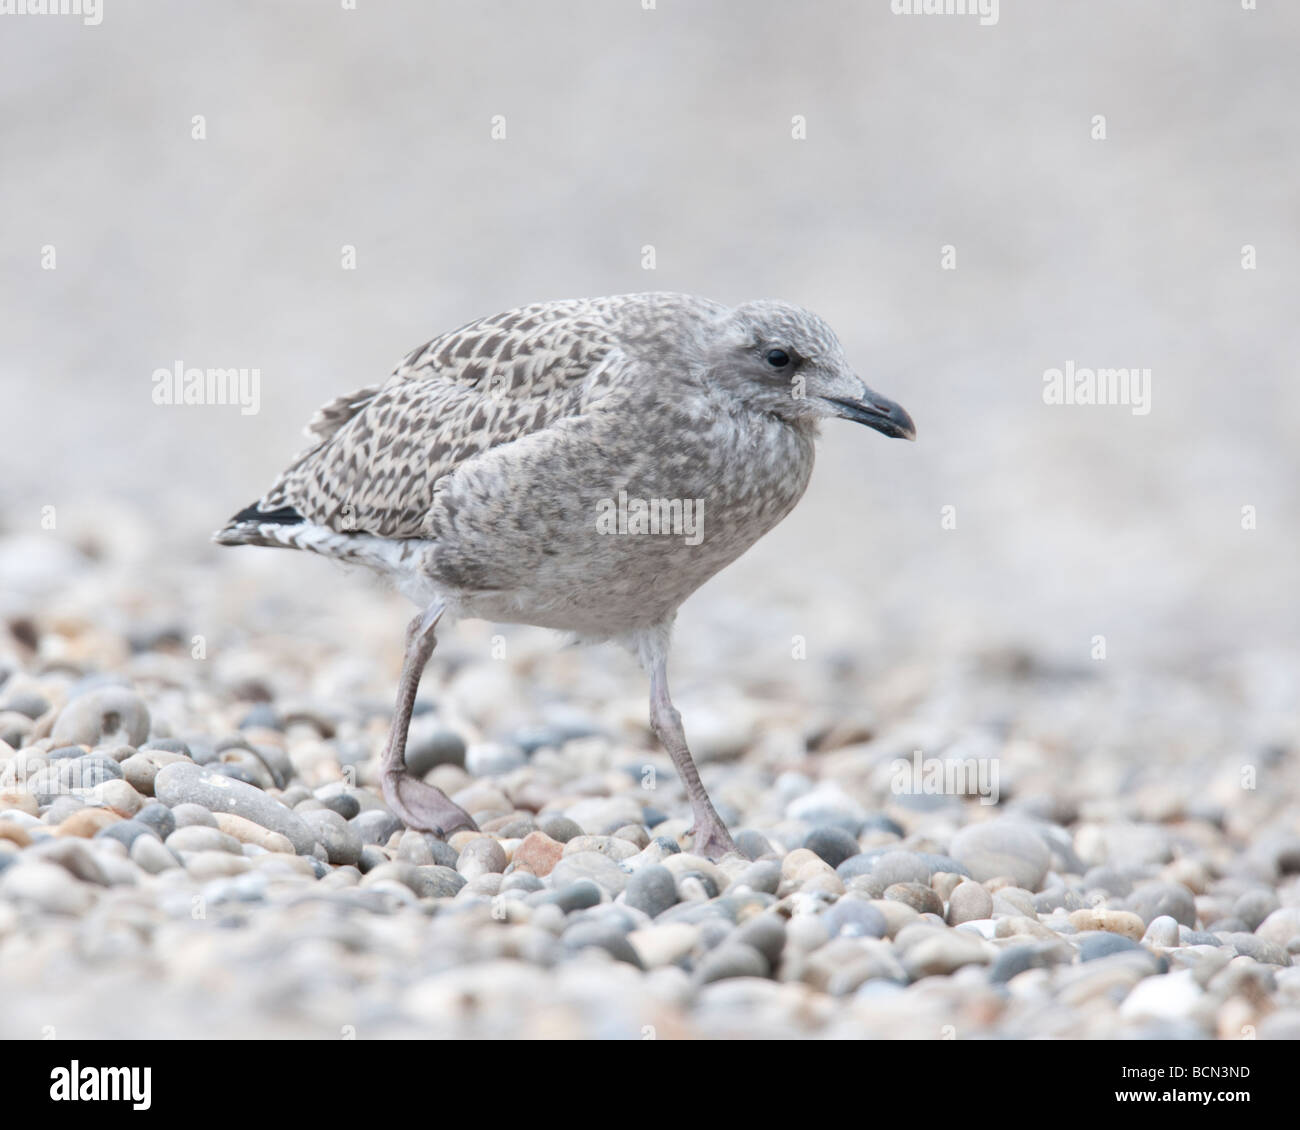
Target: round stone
<point>1003,848</point>
<point>968,902</point>
<point>651,889</point>
<point>832,844</point>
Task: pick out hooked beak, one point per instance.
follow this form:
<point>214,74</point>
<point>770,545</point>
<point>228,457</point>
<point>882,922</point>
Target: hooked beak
<point>876,412</point>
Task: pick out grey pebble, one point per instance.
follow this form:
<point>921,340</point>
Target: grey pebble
<point>1016,959</point>
<point>89,771</point>
<point>922,899</point>
<point>899,867</point>
<point>344,804</point>
<point>376,825</point>
<point>602,935</point>
<point>100,714</point>
<point>1001,847</point>
<point>762,875</point>
<point>481,856</point>
<point>833,844</point>
<point>731,959</point>
<point>341,842</point>
<point>197,838</point>
<point>1152,900</point>
<point>26,702</point>
<point>572,896</point>
<point>751,844</point>
<point>766,933</point>
<point>559,828</point>
<point>651,889</point>
<point>431,744</point>
<point>187,815</point>
<point>591,865</point>
<point>152,855</point>
<point>854,918</point>
<point>158,817</point>
<point>1163,932</point>
<point>372,856</point>
<point>182,783</point>
<point>126,832</point>
<point>1101,943</point>
<point>493,759</point>
<point>1254,906</point>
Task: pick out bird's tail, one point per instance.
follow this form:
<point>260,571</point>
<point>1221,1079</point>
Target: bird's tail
<point>287,529</point>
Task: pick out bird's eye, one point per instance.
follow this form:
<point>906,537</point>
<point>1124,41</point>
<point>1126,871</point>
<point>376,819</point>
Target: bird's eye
<point>778,358</point>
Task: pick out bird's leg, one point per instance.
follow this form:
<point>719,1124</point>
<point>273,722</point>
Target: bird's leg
<point>712,840</point>
<point>420,806</point>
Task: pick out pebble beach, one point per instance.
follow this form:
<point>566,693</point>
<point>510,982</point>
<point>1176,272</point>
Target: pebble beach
<point>192,841</point>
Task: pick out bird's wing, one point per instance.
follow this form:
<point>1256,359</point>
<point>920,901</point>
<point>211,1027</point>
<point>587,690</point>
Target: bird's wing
<point>381,451</point>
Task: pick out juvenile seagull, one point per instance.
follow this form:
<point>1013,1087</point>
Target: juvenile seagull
<point>583,465</point>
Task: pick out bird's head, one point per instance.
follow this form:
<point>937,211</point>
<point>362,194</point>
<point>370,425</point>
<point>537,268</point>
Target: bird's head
<point>788,361</point>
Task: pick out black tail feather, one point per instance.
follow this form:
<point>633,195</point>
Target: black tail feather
<point>284,516</point>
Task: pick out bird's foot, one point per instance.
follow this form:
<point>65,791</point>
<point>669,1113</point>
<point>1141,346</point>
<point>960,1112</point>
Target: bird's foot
<point>423,807</point>
<point>712,840</point>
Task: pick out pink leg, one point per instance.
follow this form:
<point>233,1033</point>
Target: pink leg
<point>712,840</point>
<point>420,806</point>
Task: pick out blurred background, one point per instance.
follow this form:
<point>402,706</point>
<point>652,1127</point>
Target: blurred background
<point>672,128</point>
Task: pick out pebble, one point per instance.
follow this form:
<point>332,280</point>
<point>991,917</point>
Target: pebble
<point>651,889</point>
<point>1153,900</point>
<point>152,855</point>
<point>666,944</point>
<point>481,856</point>
<point>577,895</point>
<point>47,886</point>
<point>246,832</point>
<point>1113,921</point>
<point>611,846</point>
<point>430,744</point>
<point>1255,906</point>
<point>1162,932</point>
<point>751,844</point>
<point>87,822</point>
<point>731,959</point>
<point>493,759</point>
<point>1281,927</point>
<point>126,832</point>
<point>763,875</point>
<point>920,898</point>
<point>539,853</point>
<point>968,902</point>
<point>1102,944</point>
<point>854,918</point>
<point>585,935</point>
<point>341,841</point>
<point>102,714</point>
<point>197,838</point>
<point>1003,847</point>
<point>592,865</point>
<point>601,815</point>
<point>181,783</point>
<point>928,951</point>
<point>187,815</point>
<point>832,844</point>
<point>558,827</point>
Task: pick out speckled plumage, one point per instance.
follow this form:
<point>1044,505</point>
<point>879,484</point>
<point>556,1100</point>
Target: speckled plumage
<point>477,475</point>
